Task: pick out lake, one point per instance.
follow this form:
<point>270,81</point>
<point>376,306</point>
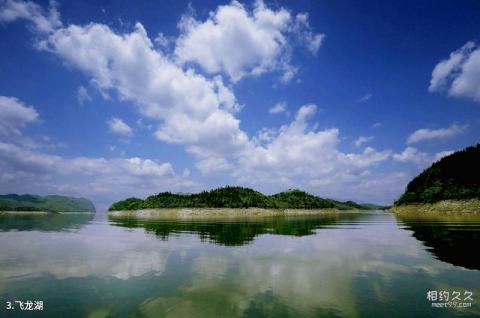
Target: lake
<point>368,264</point>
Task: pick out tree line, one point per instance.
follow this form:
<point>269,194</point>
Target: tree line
<point>234,197</point>
<point>454,177</point>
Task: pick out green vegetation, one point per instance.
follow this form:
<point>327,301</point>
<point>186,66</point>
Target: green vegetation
<point>239,232</point>
<point>235,197</point>
<point>448,237</point>
<point>49,222</point>
<point>454,177</point>
<point>49,203</point>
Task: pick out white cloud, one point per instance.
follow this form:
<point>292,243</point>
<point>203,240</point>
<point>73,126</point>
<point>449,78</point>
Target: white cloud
<point>429,134</point>
<point>414,156</point>
<point>264,135</point>
<point>278,108</point>
<point>82,95</point>
<point>186,172</point>
<point>297,154</point>
<point>303,30</point>
<point>289,72</point>
<point>459,75</point>
<point>362,140</point>
<point>212,165</point>
<point>104,180</point>
<point>11,10</point>
<point>240,42</point>
<point>305,112</point>
<point>199,113</point>
<point>14,115</point>
<point>194,111</point>
<point>377,125</point>
<point>118,126</point>
<point>365,98</point>
<point>162,40</point>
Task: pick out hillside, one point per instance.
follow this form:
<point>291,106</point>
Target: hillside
<point>234,197</point>
<point>454,177</point>
<point>49,203</point>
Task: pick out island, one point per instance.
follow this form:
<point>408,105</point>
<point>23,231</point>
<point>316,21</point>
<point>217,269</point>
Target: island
<point>231,201</point>
<point>451,184</point>
<point>28,203</point>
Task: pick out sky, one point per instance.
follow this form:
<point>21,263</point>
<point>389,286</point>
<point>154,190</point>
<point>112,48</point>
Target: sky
<point>345,100</point>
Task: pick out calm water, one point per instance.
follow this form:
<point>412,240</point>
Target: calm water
<point>347,265</point>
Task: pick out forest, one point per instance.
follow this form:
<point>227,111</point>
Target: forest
<point>236,197</point>
<point>48,203</point>
<point>454,177</point>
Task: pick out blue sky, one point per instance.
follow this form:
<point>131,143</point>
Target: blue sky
<point>345,100</point>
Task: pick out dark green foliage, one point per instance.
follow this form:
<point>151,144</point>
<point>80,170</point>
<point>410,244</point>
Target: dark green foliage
<point>53,222</point>
<point>450,242</point>
<point>234,197</point>
<point>227,197</point>
<point>235,232</point>
<point>370,206</point>
<point>128,204</point>
<point>349,205</point>
<point>49,203</point>
<point>300,200</point>
<point>455,177</point>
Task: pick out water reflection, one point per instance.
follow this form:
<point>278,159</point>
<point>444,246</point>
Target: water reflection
<point>235,232</point>
<point>44,222</point>
<point>450,238</point>
<point>347,265</point>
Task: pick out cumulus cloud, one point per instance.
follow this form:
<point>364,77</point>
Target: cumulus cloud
<point>11,10</point>
<point>194,111</point>
<point>414,156</point>
<point>198,112</point>
<point>241,42</point>
<point>429,134</point>
<point>118,126</point>
<point>362,140</point>
<point>298,151</point>
<point>14,115</point>
<point>278,108</point>
<point>104,180</point>
<point>459,75</point>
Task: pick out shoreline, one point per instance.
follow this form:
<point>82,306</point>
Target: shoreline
<point>471,206</point>
<point>188,213</point>
<point>40,213</point>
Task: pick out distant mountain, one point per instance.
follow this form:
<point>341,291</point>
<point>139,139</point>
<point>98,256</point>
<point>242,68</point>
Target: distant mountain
<point>348,205</point>
<point>454,177</point>
<point>235,197</point>
<point>49,203</point>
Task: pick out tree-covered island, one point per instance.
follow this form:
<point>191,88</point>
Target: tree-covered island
<point>48,203</point>
<point>236,197</point>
